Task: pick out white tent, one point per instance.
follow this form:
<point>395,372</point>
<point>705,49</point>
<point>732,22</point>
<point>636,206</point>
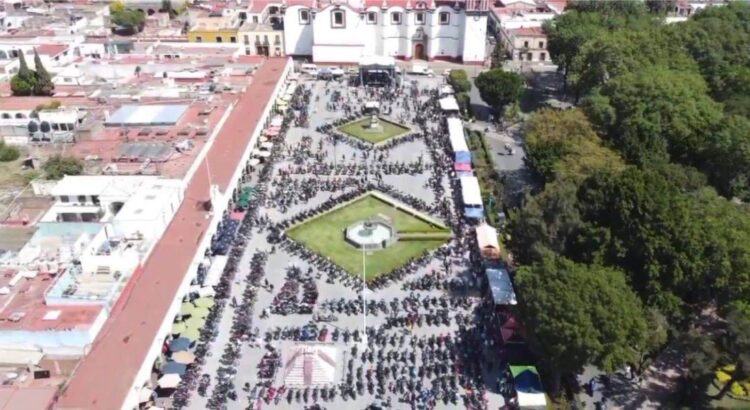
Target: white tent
<point>456,135</point>
<point>446,90</point>
<point>277,121</point>
<point>310,365</point>
<point>470,191</point>
<point>489,246</point>
<point>169,381</point>
<point>531,400</point>
<point>144,395</point>
<point>213,276</point>
<point>449,104</point>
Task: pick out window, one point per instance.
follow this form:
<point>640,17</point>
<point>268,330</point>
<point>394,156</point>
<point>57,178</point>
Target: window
<point>525,44</point>
<point>445,18</point>
<point>265,40</point>
<point>247,40</point>
<point>541,44</point>
<point>233,39</point>
<point>255,18</point>
<point>337,19</point>
<point>304,17</point>
<point>529,57</point>
<point>219,39</point>
<point>372,18</point>
<point>64,199</point>
<point>395,18</point>
<point>198,39</point>
<point>543,56</point>
<point>419,18</point>
<point>277,40</point>
<point>257,39</point>
<point>81,199</point>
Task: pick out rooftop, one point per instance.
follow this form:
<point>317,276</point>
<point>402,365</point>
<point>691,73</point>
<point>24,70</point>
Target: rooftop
<point>131,330</point>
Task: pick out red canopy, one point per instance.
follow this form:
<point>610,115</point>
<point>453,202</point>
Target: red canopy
<point>460,166</point>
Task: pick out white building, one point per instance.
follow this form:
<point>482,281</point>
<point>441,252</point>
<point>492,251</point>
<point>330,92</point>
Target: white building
<point>343,32</point>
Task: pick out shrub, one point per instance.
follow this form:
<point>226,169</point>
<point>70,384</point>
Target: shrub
<point>58,166</point>
<point>8,153</point>
<point>459,80</point>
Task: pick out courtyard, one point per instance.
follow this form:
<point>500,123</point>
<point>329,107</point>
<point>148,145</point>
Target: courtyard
<point>386,130</point>
<point>325,235</point>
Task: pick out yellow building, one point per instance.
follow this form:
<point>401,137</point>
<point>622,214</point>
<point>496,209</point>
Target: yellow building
<point>214,30</point>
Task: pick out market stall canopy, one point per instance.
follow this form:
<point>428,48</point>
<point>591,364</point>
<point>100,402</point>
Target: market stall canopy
<point>204,302</point>
<point>462,166</point>
<point>191,333</point>
<point>145,394</point>
<point>169,381</point>
<point>277,121</point>
<point>173,368</point>
<point>528,387</point>
<point>448,104</point>
<point>186,308</point>
<point>463,157</point>
<point>196,322</point>
<point>456,135</point>
<point>200,312</point>
<point>501,286</point>
<point>470,192</point>
<point>489,246</point>
<point>267,144</point>
<point>178,328</point>
<point>446,90</point>
<point>179,344</point>
<point>183,357</point>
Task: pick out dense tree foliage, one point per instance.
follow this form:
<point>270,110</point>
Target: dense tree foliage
<point>58,166</point>
<point>562,302</point>
<point>43,84</point>
<point>31,82</point>
<point>129,20</point>
<point>499,88</point>
<point>561,144</point>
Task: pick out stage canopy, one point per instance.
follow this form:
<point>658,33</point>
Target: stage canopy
<point>310,366</point>
<point>500,286</point>
<point>470,191</point>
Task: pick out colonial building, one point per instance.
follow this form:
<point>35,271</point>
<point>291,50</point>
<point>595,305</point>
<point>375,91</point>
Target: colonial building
<point>345,31</point>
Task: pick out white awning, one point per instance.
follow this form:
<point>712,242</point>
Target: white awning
<point>456,135</point>
<point>310,365</point>
<point>470,191</point>
<point>277,121</point>
<point>446,90</point>
<point>487,237</point>
<point>531,400</point>
<point>213,276</point>
<point>449,104</point>
<point>377,60</point>
<point>169,381</point>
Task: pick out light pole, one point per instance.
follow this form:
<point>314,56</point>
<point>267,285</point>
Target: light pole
<point>364,298</point>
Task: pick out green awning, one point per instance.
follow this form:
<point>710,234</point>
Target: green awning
<point>191,333</point>
<point>186,308</point>
<point>516,370</point>
<point>178,328</point>
<point>194,322</point>
<point>204,302</point>
<point>200,312</point>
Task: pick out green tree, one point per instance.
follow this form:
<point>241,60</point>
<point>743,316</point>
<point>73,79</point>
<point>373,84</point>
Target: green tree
<point>499,88</point>
<point>23,82</point>
<point>578,315</point>
<point>43,84</point>
<point>661,6</point>
<point>658,113</point>
<point>459,80</point>
<point>58,166</point>
<point>129,19</point>
<point>563,144</point>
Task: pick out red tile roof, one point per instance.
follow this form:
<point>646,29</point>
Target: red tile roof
<point>15,398</point>
<point>107,373</point>
<point>51,49</point>
<point>527,31</point>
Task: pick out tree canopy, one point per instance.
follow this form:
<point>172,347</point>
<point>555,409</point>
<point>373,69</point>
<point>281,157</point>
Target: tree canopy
<point>499,88</point>
<point>58,166</point>
<point>562,302</point>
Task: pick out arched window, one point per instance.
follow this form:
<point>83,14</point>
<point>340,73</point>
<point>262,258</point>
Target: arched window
<point>33,127</point>
<point>44,126</point>
<point>338,19</point>
<point>6,116</point>
<point>20,116</point>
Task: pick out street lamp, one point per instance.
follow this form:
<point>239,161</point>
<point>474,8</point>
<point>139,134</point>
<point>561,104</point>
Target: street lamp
<point>364,297</point>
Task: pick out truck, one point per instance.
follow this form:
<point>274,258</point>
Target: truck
<point>421,69</point>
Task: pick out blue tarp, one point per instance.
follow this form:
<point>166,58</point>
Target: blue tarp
<point>173,367</point>
<point>463,157</point>
<point>474,213</point>
<point>462,174</point>
<point>179,344</point>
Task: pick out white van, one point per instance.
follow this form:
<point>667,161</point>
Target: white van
<point>420,69</point>
<point>309,69</point>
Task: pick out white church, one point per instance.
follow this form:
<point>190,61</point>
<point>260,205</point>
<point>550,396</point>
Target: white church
<point>344,31</point>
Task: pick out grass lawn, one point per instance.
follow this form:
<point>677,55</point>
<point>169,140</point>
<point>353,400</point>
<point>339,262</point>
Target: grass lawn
<point>357,129</point>
<point>325,235</point>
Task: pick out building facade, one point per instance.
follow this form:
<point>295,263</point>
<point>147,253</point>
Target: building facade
<point>344,32</point>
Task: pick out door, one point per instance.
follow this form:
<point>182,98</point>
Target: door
<point>419,51</point>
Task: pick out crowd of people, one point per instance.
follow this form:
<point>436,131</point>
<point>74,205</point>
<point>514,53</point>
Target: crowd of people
<point>429,347</point>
